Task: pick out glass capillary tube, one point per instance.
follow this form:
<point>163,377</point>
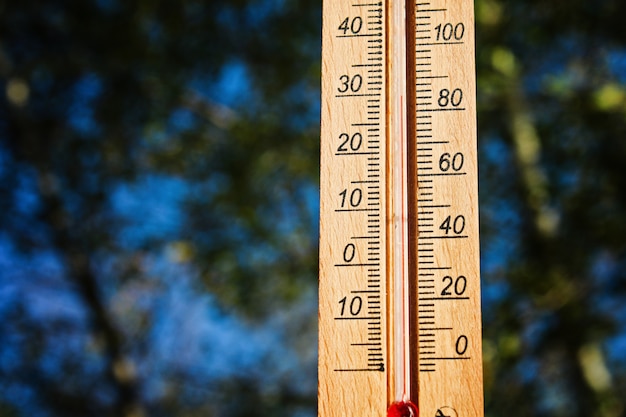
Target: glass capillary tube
<point>398,101</point>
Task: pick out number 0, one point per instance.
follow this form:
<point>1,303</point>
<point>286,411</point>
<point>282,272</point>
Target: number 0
<point>461,345</point>
<point>349,252</point>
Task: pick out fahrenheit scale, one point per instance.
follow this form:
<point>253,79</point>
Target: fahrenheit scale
<point>399,312</point>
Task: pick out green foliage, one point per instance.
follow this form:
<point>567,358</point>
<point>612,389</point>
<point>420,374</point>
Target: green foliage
<point>550,97</point>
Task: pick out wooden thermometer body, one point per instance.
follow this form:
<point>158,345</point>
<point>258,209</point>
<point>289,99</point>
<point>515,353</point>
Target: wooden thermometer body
<point>368,96</point>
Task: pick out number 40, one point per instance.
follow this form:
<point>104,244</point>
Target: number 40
<point>456,226</point>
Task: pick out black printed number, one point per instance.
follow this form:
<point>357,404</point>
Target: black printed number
<point>447,98</point>
<point>456,226</point>
<point>352,84</point>
<point>353,25</point>
<point>355,198</point>
<point>448,31</point>
<point>448,161</point>
<point>461,345</point>
<point>349,252</point>
<point>458,285</point>
<point>354,307</point>
<point>354,142</point>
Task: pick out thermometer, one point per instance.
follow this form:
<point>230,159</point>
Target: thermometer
<point>399,290</point>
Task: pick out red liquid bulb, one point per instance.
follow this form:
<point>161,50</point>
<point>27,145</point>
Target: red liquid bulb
<point>402,409</point>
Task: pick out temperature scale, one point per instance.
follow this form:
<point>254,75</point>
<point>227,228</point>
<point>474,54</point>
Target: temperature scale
<point>399,312</point>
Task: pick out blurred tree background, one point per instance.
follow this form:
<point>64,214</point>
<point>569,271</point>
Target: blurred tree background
<point>158,207</point>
